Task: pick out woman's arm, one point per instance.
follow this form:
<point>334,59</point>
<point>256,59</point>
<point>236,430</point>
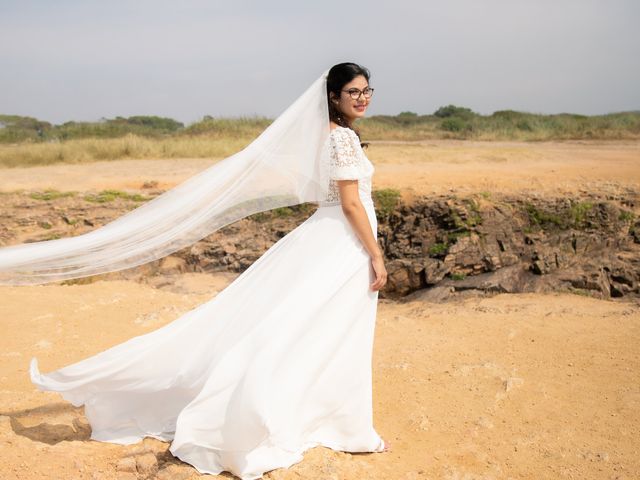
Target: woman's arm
<point>359,220</point>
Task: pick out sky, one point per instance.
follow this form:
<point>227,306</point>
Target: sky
<point>83,60</point>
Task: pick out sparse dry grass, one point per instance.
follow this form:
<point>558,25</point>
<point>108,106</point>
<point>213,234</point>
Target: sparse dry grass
<point>219,138</point>
<point>130,146</point>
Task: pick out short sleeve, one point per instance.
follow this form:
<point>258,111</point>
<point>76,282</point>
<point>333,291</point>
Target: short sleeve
<point>346,163</point>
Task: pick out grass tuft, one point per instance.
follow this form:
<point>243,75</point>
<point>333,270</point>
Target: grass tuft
<point>51,194</point>
<point>111,195</point>
<point>386,200</point>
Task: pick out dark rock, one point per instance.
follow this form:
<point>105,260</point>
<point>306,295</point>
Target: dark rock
<point>547,260</point>
<point>438,294</point>
<point>405,276</point>
<point>512,279</point>
<point>437,246</point>
<point>434,271</point>
<point>635,232</point>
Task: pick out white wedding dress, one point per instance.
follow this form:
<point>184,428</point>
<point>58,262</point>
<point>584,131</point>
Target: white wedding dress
<point>276,363</point>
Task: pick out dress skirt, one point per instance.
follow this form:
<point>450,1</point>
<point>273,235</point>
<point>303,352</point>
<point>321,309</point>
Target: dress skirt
<point>276,363</point>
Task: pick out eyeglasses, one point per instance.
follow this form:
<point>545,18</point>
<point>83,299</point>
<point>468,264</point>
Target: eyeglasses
<point>356,92</point>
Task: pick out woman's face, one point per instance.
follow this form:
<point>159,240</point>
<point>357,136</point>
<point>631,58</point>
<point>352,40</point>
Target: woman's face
<point>352,109</point>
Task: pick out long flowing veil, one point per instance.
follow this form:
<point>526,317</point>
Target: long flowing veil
<point>286,165</point>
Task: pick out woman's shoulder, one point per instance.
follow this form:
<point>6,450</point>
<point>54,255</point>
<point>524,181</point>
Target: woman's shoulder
<point>342,136</point>
<point>339,130</point>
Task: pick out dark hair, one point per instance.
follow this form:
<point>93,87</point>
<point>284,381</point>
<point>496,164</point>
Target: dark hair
<point>339,75</point>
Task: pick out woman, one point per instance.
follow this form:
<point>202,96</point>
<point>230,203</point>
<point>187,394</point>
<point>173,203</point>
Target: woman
<point>280,360</point>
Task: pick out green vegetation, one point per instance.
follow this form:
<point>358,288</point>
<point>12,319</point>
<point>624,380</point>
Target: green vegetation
<point>462,123</point>
<point>626,216</point>
<point>100,197</point>
<point>474,212</point>
<point>579,212</point>
<point>51,194</point>
<point>17,129</point>
<point>455,124</point>
<point>576,291</point>
<point>282,212</point>
<point>461,228</point>
<point>244,127</point>
<point>110,195</point>
<point>453,237</point>
<point>541,218</point>
<point>386,200</point>
<point>500,125</point>
<point>454,111</point>
<point>457,221</point>
<point>438,248</point>
<point>85,150</point>
<point>52,236</point>
<point>20,129</point>
<point>573,217</point>
<point>28,141</point>
<point>473,218</point>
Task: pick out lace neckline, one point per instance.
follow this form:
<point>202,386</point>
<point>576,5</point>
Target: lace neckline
<point>350,130</point>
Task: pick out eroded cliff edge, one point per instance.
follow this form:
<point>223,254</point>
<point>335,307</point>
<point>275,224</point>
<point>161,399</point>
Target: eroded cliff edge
<point>435,247</point>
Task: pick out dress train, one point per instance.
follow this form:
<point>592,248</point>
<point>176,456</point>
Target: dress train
<point>276,363</point>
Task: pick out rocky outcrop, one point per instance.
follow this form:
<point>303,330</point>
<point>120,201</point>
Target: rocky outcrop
<point>433,246</point>
<point>514,245</point>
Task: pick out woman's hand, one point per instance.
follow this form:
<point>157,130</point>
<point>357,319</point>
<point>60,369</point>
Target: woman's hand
<point>381,273</point>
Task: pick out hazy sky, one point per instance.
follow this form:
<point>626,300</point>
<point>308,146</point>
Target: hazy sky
<point>85,59</point>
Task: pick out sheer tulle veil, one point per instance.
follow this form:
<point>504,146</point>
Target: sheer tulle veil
<point>286,165</point>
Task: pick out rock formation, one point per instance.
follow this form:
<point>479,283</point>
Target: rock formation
<point>433,246</point>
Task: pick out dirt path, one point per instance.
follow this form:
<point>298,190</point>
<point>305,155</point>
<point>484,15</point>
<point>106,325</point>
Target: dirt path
<point>420,168</point>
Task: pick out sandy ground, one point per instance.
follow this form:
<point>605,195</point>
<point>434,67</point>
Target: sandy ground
<point>420,168</point>
<point>513,386</point>
<point>520,386</point>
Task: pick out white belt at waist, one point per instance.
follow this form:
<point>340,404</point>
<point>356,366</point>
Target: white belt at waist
<point>365,201</point>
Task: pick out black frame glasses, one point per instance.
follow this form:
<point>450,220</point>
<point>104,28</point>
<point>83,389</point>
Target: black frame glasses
<point>356,92</point>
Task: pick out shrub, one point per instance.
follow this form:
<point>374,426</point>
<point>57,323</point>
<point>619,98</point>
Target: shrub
<point>110,195</point>
<point>438,249</point>
<point>50,194</point>
<point>455,124</point>
<point>386,199</point>
<point>453,110</point>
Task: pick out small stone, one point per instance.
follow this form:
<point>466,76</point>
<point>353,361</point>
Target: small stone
<point>81,424</point>
<point>174,472</point>
<point>127,464</point>
<point>147,464</point>
<point>229,248</point>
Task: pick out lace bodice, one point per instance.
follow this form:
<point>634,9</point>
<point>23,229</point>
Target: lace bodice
<point>347,162</point>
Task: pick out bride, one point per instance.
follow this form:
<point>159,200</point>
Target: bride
<point>280,360</point>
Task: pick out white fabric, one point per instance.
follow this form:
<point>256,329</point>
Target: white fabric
<point>347,161</point>
<point>285,165</point>
<point>276,363</point>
